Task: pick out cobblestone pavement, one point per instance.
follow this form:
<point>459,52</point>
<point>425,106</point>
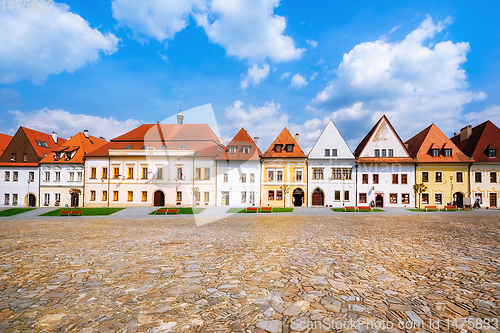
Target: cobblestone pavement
<point>251,274</point>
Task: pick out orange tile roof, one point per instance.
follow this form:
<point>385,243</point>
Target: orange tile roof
<point>80,143</point>
<point>482,136</point>
<point>240,140</point>
<point>284,138</point>
<point>4,141</point>
<point>432,137</point>
<point>33,136</point>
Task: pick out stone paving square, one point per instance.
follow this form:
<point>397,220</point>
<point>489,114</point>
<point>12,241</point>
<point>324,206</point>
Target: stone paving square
<point>359,272</point>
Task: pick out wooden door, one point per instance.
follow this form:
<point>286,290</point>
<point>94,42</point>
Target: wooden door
<point>493,199</point>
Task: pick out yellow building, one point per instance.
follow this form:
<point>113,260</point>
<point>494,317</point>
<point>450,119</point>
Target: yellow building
<point>441,166</point>
<point>284,173</point>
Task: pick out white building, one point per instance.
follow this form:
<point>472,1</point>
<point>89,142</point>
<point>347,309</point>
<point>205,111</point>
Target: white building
<point>155,165</point>
<point>19,178</point>
<point>238,173</point>
<point>331,171</point>
<point>385,169</point>
<point>63,170</point>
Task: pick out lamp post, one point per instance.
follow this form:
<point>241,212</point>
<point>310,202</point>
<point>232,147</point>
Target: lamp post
<point>102,190</point>
<point>28,196</point>
<point>451,186</point>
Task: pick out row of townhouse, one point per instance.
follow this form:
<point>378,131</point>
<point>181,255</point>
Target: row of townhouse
<point>188,165</point>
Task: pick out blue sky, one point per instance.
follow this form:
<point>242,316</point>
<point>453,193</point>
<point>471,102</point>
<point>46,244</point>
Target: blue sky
<point>108,66</point>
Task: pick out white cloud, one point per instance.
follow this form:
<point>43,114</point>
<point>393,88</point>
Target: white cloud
<point>491,113</point>
<point>404,79</point>
<point>36,44</point>
<point>285,75</point>
<point>298,81</point>
<point>313,76</point>
<point>313,43</point>
<point>68,124</point>
<point>255,75</point>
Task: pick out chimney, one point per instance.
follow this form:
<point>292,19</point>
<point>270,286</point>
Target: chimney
<point>54,137</point>
<point>455,134</point>
<point>68,138</point>
<point>465,132</point>
<point>221,140</point>
<point>256,140</point>
<point>86,133</point>
<point>297,138</point>
<point>102,138</point>
<point>180,119</point>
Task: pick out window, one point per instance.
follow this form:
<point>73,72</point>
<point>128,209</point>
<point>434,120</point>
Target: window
<point>362,198</point>
<point>346,195</point>
<point>347,173</point>
<point>393,198</point>
<point>13,157</point>
<point>391,153</point>
<point>58,176</point>
<point>104,173</point>
<point>145,172</point>
<point>317,173</point>
<point>337,195</point>
<point>425,198</point>
<point>336,173</point>
<point>404,179</point>
<point>47,176</point>
<point>435,152</point>
<point>197,173</point>
<point>251,198</point>
<point>71,176</point>
<point>279,195</point>
<point>243,177</point>
<point>270,195</point>
<point>245,150</point>
<point>31,176</point>
<point>14,198</point>
<point>365,178</point>
<point>130,196</point>
<point>277,148</point>
<point>479,196</point>
<point>384,153</point>
<point>207,173</point>
<point>493,177</point>
<point>377,153</point>
<point>270,175</point>
<point>492,152</point>
<point>159,173</point>
<point>289,148</point>
<point>231,150</point>
<point>42,144</point>
<point>15,176</point>
<point>197,196</point>
<point>439,177</point>
<point>93,172</point>
<point>206,196</point>
<point>438,198</point>
<point>425,177</point>
<point>395,179</point>
<point>116,172</point>
<point>178,197</point>
<point>327,152</point>
<point>115,195</point>
<point>447,152</point>
<point>460,177</point>
<point>225,177</point>
<point>92,195</point>
<point>6,199</point>
<point>375,178</point>
<point>243,197</point>
<point>46,199</point>
<point>130,173</point>
<point>298,175</point>
<point>405,198</point>
<point>25,157</point>
<point>7,176</point>
<point>179,174</point>
<point>104,195</point>
<point>252,178</point>
<point>478,177</point>
<point>334,152</point>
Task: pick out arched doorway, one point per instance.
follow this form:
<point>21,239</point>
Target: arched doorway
<point>31,200</point>
<point>458,199</point>
<point>318,197</point>
<point>298,197</point>
<point>159,198</point>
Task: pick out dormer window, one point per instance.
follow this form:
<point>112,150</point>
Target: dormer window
<point>289,148</point>
<point>277,148</point>
<point>492,152</point>
<point>128,147</point>
<point>245,150</point>
<point>447,152</point>
<point>231,150</point>
<point>377,153</point>
<point>435,152</point>
<point>13,157</point>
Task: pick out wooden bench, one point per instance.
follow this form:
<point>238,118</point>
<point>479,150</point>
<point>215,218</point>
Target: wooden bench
<point>252,209</point>
<point>450,207</point>
<point>266,210</point>
<point>346,208</point>
<point>365,208</point>
<point>430,208</point>
<point>71,212</point>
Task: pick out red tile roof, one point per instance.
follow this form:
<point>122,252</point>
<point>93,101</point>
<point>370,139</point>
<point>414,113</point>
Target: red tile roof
<point>80,143</point>
<point>432,137</point>
<point>34,136</point>
<point>485,135</point>
<point>284,138</point>
<point>241,139</point>
<point>4,142</point>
